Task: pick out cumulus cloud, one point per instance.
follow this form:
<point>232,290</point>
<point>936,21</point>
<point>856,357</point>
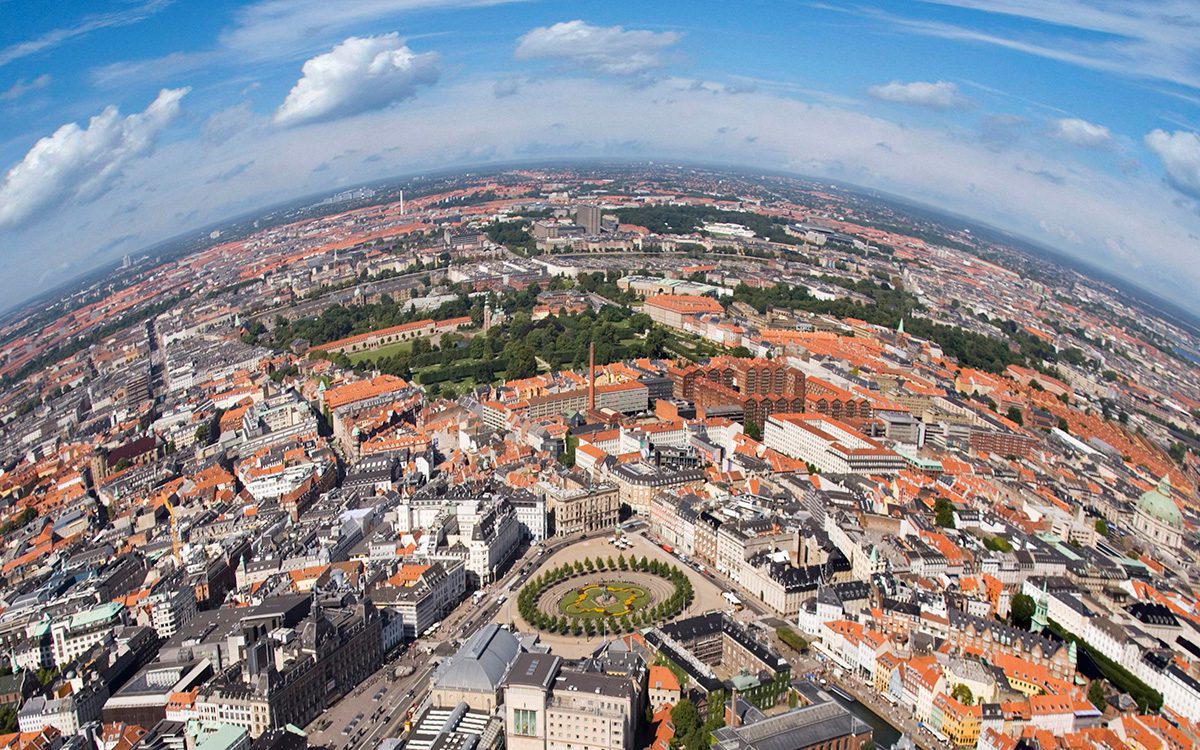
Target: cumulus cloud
<point>612,50</point>
<point>931,95</point>
<point>359,75</point>
<point>1081,132</point>
<point>83,163</point>
<point>23,87</point>
<point>1180,156</point>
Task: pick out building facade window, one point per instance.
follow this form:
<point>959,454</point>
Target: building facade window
<point>525,722</point>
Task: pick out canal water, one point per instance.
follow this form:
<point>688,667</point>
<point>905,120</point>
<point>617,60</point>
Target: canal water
<point>885,735</point>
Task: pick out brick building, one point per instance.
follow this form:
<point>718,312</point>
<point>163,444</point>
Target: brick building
<point>758,387</point>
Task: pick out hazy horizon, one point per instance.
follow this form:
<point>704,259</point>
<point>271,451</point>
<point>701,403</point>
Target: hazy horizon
<point>1070,123</point>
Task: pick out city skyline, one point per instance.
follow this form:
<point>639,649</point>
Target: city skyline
<point>540,456</point>
<point>1071,123</point>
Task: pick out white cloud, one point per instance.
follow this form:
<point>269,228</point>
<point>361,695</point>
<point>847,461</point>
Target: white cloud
<point>358,75</point>
<point>127,73</point>
<point>1081,132</point>
<point>238,120</point>
<point>86,25</point>
<point>1086,211</point>
<point>83,163</point>
<point>932,95</point>
<point>1152,40</point>
<point>1180,156</point>
<point>605,49</point>
<point>507,87</point>
<point>23,87</point>
<point>273,31</point>
<point>280,28</point>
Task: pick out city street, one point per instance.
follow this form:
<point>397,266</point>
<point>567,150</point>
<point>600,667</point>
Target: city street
<point>377,708</point>
<point>753,607</point>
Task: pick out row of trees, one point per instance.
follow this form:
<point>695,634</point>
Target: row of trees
<point>889,306</point>
<point>527,600</point>
<point>688,219</point>
<point>1021,612</point>
<point>339,321</point>
<point>518,349</point>
<point>1148,699</point>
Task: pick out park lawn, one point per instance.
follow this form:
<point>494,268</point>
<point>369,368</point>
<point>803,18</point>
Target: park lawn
<point>390,350</point>
<point>460,386</point>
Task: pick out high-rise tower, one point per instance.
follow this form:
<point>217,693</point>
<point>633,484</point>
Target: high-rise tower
<point>588,217</point>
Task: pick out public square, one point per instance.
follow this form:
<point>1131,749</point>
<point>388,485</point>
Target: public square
<point>706,599</point>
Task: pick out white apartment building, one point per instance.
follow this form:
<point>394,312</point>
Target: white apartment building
<point>531,515</point>
<point>833,447</point>
<point>77,705</point>
<point>491,535</point>
<point>72,635</point>
<point>171,609</point>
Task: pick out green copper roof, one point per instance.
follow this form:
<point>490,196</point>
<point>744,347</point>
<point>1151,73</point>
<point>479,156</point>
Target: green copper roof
<point>1159,504</point>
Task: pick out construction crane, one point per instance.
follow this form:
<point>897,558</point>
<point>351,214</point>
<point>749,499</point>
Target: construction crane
<point>174,532</point>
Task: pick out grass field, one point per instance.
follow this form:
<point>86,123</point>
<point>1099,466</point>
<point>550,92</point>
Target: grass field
<point>608,599</point>
<point>383,351</point>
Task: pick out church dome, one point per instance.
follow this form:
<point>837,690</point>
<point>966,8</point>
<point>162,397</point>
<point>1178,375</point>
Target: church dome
<point>1158,504</point>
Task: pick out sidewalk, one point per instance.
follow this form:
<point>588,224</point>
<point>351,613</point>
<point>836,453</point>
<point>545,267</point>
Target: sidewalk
<point>891,714</point>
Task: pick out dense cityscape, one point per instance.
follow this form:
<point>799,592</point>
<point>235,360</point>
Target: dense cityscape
<point>598,457</point>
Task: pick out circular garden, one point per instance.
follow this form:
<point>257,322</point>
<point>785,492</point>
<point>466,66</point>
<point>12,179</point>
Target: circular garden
<point>604,596</point>
<point>604,599</point>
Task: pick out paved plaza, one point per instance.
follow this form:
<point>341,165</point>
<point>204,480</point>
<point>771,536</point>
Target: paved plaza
<point>707,595</point>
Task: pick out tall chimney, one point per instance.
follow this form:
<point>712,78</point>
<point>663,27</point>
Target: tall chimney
<point>592,376</point>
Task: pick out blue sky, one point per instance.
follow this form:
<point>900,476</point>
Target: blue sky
<point>1073,121</point>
